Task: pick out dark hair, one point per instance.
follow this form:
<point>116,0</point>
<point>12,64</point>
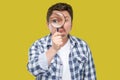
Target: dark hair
<point>60,7</point>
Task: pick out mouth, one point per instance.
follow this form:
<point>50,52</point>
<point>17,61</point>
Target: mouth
<point>61,30</point>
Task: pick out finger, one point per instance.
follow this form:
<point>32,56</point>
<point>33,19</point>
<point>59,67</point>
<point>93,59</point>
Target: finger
<point>58,34</point>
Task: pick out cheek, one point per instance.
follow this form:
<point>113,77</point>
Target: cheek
<point>52,29</point>
<point>68,27</point>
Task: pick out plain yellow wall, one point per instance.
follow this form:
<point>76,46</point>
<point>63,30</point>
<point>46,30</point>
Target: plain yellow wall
<point>24,21</point>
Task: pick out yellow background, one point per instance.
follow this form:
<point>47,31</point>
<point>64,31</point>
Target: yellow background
<point>24,21</point>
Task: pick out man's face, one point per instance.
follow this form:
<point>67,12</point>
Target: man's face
<point>66,28</point>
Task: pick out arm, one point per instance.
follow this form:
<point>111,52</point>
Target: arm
<point>37,59</point>
<point>57,42</point>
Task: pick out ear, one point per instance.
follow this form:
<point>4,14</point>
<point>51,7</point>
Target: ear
<point>49,27</point>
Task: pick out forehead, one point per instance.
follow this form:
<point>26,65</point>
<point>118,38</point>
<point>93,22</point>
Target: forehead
<point>65,13</point>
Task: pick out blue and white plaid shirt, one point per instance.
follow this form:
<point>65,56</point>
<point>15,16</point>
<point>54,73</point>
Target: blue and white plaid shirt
<point>80,61</point>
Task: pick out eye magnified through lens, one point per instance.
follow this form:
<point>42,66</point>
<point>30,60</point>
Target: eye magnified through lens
<point>57,20</point>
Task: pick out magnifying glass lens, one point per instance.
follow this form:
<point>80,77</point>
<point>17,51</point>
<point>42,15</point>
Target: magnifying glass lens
<point>57,20</point>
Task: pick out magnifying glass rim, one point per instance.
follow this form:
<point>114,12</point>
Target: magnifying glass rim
<point>60,14</point>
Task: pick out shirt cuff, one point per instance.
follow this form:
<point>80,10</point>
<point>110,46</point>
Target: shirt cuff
<point>43,61</point>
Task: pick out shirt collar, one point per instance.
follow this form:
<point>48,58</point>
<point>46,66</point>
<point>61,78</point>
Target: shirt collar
<point>73,44</point>
<point>48,40</point>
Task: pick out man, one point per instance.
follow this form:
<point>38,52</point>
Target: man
<point>60,56</point>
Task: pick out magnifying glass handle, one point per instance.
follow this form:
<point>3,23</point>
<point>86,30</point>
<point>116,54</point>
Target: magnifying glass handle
<point>57,29</point>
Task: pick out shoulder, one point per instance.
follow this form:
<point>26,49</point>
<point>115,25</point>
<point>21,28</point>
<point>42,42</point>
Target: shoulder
<point>79,41</point>
<point>41,41</point>
<point>82,47</point>
<point>80,44</point>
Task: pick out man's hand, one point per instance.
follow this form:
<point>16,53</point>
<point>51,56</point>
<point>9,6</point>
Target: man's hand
<point>57,41</point>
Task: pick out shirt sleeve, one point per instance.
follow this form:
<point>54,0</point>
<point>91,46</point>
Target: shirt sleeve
<point>37,62</point>
<point>42,60</point>
<point>90,72</point>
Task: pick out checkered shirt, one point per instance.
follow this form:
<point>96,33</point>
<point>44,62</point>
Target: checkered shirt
<point>80,61</point>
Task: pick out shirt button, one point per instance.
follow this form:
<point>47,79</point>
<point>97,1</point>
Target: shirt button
<point>61,64</point>
<point>60,78</point>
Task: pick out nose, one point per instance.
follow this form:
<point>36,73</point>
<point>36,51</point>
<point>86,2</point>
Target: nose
<point>60,28</point>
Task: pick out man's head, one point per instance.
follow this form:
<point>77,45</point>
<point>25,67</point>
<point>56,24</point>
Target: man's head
<point>60,7</point>
<point>67,11</point>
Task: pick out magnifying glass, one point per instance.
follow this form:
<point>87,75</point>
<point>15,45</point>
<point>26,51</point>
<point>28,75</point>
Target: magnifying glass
<point>57,20</point>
